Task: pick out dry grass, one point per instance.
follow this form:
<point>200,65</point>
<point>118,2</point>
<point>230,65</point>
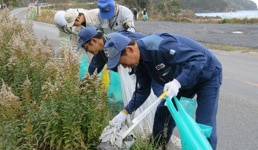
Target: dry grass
<point>229,47</point>
<point>43,103</point>
<point>46,15</point>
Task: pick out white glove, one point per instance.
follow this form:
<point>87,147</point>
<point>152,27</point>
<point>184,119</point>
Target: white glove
<point>172,87</point>
<point>131,29</point>
<point>119,119</point>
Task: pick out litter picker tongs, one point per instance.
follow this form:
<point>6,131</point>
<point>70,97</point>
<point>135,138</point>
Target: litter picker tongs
<point>139,118</point>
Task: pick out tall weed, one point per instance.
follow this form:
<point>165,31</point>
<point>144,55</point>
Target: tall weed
<point>43,104</point>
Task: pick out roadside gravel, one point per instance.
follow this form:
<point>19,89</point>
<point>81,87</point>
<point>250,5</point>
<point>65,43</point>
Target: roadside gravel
<point>243,35</point>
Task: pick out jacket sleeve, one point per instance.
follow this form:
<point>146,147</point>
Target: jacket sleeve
<point>186,62</point>
<point>128,22</point>
<point>97,62</point>
<point>141,92</point>
<point>157,88</point>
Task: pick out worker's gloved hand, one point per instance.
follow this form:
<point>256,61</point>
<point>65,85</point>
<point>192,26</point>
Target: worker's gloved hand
<point>67,30</point>
<point>131,29</point>
<point>129,26</point>
<point>172,87</point>
<point>119,119</point>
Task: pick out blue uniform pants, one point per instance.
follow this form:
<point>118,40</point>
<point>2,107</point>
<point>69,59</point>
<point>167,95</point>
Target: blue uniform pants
<point>207,93</point>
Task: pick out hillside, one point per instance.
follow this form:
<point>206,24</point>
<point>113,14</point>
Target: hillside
<point>217,5</point>
<point>234,5</point>
<point>195,5</point>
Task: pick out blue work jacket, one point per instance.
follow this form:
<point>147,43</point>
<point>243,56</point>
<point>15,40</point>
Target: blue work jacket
<point>164,57</point>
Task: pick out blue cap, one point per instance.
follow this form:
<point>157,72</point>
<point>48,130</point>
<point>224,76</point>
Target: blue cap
<point>85,35</point>
<point>107,8</point>
<point>113,48</point>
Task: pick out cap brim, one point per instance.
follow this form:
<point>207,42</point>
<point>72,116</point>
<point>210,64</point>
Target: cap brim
<point>107,15</point>
<point>112,63</point>
<point>79,46</point>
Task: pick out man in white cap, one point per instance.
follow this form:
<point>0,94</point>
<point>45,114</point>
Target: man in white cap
<point>80,18</point>
<point>114,17</point>
<point>64,31</point>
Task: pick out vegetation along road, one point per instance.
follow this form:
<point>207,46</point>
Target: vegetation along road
<point>238,106</point>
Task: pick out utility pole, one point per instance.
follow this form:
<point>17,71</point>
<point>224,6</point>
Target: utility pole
<point>38,8</point>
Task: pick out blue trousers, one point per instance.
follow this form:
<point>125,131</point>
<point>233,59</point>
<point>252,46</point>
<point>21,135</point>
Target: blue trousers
<point>207,106</point>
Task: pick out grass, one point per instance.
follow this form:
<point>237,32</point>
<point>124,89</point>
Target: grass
<point>46,15</point>
<point>217,20</point>
<point>43,104</point>
<point>229,47</point>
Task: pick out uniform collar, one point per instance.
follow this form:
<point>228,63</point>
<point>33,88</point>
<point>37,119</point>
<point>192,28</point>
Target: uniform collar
<point>143,52</point>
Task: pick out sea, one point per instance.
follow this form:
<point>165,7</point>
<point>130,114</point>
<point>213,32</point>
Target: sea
<point>242,14</point>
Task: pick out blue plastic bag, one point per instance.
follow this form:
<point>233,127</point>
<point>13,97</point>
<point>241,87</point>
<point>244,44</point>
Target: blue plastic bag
<point>115,89</point>
<point>189,105</point>
<point>84,65</point>
<point>191,135</point>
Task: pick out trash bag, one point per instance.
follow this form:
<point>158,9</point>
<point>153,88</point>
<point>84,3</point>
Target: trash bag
<point>145,17</point>
<point>190,132</point>
<point>111,138</point>
<point>84,65</point>
<point>104,81</point>
<point>128,82</point>
<point>206,130</point>
<point>115,90</point>
<point>189,105</point>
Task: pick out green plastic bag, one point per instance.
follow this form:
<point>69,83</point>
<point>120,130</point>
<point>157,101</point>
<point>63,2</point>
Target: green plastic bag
<point>189,105</point>
<point>191,135</point>
<point>84,65</point>
<point>115,89</point>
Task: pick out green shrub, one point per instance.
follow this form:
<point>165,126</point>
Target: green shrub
<point>43,104</point>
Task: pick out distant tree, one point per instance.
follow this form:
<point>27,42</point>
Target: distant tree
<point>143,3</point>
<point>131,3</point>
<point>167,7</point>
<point>203,5</point>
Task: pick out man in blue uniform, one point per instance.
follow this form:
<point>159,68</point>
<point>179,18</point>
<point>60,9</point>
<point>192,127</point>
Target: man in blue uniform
<point>180,65</point>
<point>93,41</point>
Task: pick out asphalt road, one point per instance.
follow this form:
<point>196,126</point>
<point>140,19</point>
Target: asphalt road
<point>244,35</point>
<point>42,30</point>
<point>238,106</point>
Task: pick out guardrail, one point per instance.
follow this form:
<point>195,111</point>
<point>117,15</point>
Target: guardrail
<point>41,5</point>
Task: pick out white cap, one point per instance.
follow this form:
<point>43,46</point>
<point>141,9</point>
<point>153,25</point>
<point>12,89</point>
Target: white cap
<point>59,18</point>
<point>70,16</point>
